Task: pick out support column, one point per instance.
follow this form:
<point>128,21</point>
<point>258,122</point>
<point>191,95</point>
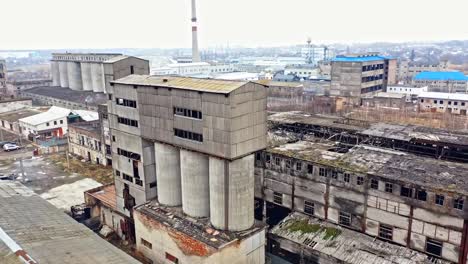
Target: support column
<point>194,171</point>
<point>168,174</point>
<point>232,193</point>
<point>74,76</point>
<point>55,72</point>
<point>63,68</point>
<point>97,76</point>
<point>86,76</point>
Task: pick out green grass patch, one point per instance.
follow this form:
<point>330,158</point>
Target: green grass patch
<point>303,226</point>
<point>331,233</point>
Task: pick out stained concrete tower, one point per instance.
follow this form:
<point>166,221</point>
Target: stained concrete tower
<point>195,51</point>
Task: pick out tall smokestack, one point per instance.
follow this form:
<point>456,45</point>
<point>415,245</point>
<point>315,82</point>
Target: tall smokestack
<point>195,52</point>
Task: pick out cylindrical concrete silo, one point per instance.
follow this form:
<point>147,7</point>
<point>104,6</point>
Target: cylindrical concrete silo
<point>194,171</point>
<point>232,193</point>
<point>63,68</point>
<point>97,76</point>
<point>86,76</point>
<point>74,76</point>
<point>168,174</point>
<point>55,70</point>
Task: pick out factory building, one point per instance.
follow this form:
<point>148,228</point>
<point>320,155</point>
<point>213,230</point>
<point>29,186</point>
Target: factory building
<point>407,70</point>
<point>410,92</point>
<point>443,103</point>
<point>357,74</point>
<point>183,162</point>
<point>317,193</point>
<point>93,71</point>
<point>445,82</point>
<point>84,140</point>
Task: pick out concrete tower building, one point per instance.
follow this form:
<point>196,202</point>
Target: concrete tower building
<point>93,71</point>
<point>189,143</point>
<point>3,88</point>
<point>195,51</point>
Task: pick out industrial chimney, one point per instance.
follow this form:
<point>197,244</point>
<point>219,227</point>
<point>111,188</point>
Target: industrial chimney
<point>195,52</point>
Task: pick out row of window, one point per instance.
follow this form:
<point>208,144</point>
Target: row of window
<point>128,154</point>
<point>372,78</point>
<point>55,123</point>
<point>371,89</point>
<point>188,135</point>
<point>421,195</point>
<point>127,121</point>
<point>442,102</point>
<point>126,102</point>
<point>372,67</point>
<point>187,112</point>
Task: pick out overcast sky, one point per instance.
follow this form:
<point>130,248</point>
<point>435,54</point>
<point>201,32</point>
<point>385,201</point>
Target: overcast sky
<point>43,24</point>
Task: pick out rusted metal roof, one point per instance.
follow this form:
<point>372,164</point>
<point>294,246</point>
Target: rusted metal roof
<point>106,195</point>
<point>185,83</point>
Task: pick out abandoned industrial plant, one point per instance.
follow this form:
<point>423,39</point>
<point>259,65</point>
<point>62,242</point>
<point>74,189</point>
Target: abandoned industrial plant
<point>237,132</point>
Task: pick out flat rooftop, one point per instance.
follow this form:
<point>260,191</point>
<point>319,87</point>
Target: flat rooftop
<point>345,245</point>
<point>445,96</point>
<point>184,83</point>
<point>47,234</point>
<point>105,194</point>
<point>14,116</point>
<point>385,163</point>
<point>199,229</point>
<point>67,94</point>
<point>358,58</point>
<point>92,127</point>
<point>441,76</point>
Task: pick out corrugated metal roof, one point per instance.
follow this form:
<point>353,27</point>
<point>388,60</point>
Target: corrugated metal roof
<point>87,115</point>
<point>53,113</point>
<point>185,83</point>
<point>441,76</point>
<point>446,96</point>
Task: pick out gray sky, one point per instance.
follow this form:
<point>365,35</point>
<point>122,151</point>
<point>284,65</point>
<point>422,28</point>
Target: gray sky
<point>42,24</point>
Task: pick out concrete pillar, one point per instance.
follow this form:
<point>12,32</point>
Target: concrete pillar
<point>97,76</point>
<point>168,174</point>
<point>55,71</point>
<point>86,76</point>
<point>63,68</point>
<point>74,76</point>
<point>232,193</point>
<point>195,190</point>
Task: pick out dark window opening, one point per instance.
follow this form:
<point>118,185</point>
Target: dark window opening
<point>132,70</point>
<point>344,219</point>
<point>360,180</point>
<point>188,135</point>
<point>434,247</point>
<point>171,258</point>
<point>146,243</point>
<point>126,102</point>
<point>309,208</point>
<point>421,195</point>
<point>277,198</point>
<point>310,168</point>
<point>346,177</point>
<point>388,187</point>
<point>187,113</point>
<point>374,184</point>
<point>386,232</point>
<point>406,192</point>
<point>298,166</point>
<point>127,121</point>
<point>439,199</point>
<point>458,203</point>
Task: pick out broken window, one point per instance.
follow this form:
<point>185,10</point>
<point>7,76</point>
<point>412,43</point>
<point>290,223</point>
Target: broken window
<point>386,231</point>
<point>421,195</point>
<point>171,258</point>
<point>310,169</point>
<point>298,166</point>
<point>406,192</point>
<point>458,203</point>
<point>388,187</point>
<point>439,199</point>
<point>346,177</point>
<point>334,174</point>
<point>117,173</point>
<point>277,198</point>
<point>344,219</point>
<point>434,247</point>
<point>322,172</point>
<point>360,180</point>
<point>146,243</point>
<point>268,159</point>
<point>309,208</point>
<point>288,164</point>
<point>374,184</point>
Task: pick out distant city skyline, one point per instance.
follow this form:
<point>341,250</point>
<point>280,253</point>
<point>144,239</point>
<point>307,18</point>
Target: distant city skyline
<point>54,24</point>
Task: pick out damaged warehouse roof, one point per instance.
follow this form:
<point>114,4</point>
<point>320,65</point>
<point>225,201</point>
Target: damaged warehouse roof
<point>342,245</point>
<point>385,163</point>
<point>30,227</point>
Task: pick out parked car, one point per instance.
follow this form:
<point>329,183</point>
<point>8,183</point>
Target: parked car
<point>2,143</point>
<point>10,147</point>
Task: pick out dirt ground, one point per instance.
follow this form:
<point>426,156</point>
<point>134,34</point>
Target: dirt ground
<point>99,173</point>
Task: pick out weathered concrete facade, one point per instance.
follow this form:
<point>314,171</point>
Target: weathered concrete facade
<point>85,140</point>
<point>412,201</point>
<point>93,71</point>
<point>191,142</point>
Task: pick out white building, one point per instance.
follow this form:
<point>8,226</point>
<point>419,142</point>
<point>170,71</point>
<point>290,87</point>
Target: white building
<point>302,72</point>
<point>411,93</point>
<point>443,102</point>
<point>196,69</point>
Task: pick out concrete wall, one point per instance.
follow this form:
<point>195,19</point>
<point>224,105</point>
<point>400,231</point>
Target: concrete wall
<point>369,208</point>
<point>232,126</point>
<point>88,146</point>
<point>435,105</point>
<point>188,250</point>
